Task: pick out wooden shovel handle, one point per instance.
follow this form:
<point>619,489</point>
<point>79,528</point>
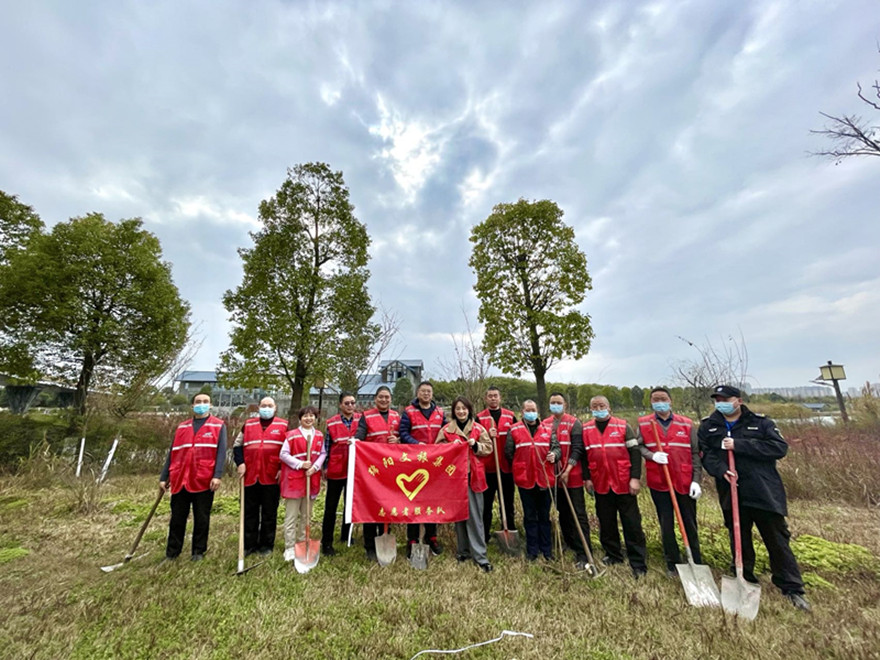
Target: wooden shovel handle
<point>143,528</point>
<point>684,536</point>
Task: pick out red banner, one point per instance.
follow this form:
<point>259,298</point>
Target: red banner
<point>396,483</point>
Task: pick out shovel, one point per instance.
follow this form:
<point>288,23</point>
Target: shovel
<point>418,557</point>
<point>508,539</point>
<point>241,569</point>
<point>137,539</point>
<point>306,553</point>
<point>696,579</point>
<point>386,547</point>
<point>592,569</point>
<point>738,596</point>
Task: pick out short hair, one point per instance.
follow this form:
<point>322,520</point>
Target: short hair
<point>661,389</point>
<point>493,388</point>
<point>380,388</point>
<point>466,403</point>
<point>557,393</point>
<point>342,395</point>
<point>192,399</point>
<point>425,382</point>
<point>532,401</point>
<point>305,410</point>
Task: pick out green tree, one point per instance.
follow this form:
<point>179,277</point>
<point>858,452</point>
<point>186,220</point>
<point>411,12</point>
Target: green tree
<point>402,392</point>
<point>638,395</point>
<point>18,224</point>
<point>531,275</point>
<point>100,305</point>
<point>302,309</point>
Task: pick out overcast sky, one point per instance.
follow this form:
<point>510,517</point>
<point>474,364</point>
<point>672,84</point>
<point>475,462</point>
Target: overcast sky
<point>674,135</point>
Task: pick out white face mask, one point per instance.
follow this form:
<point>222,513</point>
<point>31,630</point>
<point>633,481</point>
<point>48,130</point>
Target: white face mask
<point>267,412</point>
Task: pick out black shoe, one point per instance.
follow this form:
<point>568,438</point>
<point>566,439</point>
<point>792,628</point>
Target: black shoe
<point>799,602</point>
<point>197,557</point>
<point>639,573</point>
<point>611,561</point>
<point>549,557</point>
<point>249,552</point>
<point>434,544</point>
<point>265,552</point>
<point>532,557</point>
<point>371,555</point>
<point>328,551</point>
<point>461,558</point>
<point>168,560</point>
<point>671,572</point>
<point>486,568</point>
<point>409,547</point>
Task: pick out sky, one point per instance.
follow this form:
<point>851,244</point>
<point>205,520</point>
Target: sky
<point>674,135</point>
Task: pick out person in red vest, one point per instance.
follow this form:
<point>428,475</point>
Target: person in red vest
<point>341,429</point>
<point>613,473</point>
<point>378,424</point>
<point>420,423</point>
<point>569,433</point>
<point>302,456</point>
<point>532,451</point>
<point>257,453</point>
<point>497,421</point>
<point>192,473</point>
<point>681,453</point>
<point>470,539</point>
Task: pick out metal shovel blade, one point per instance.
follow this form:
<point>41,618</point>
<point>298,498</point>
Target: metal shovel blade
<point>418,557</point>
<point>306,554</point>
<point>699,585</point>
<point>109,569</point>
<point>386,548</point>
<point>508,541</point>
<point>740,597</point>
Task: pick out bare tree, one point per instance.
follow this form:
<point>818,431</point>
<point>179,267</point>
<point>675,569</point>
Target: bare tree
<point>724,363</point>
<point>468,366</point>
<point>385,342</point>
<point>852,135</point>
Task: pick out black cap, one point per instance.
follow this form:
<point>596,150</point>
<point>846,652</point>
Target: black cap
<point>725,391</point>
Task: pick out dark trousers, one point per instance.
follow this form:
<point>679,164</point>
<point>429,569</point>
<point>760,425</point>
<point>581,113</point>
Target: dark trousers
<point>412,532</point>
<point>567,521</point>
<point>508,487</point>
<point>608,506</point>
<point>666,516</point>
<point>774,532</point>
<point>260,516</point>
<point>536,520</point>
<point>201,508</point>
<point>335,489</point>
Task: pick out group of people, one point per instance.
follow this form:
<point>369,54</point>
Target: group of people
<point>541,459</point>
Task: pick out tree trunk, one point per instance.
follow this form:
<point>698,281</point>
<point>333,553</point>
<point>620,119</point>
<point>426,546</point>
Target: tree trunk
<point>540,372</point>
<point>82,384</point>
<point>297,389</point>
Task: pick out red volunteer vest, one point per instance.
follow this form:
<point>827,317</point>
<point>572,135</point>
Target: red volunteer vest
<point>337,458</point>
<point>377,428</point>
<point>530,468</point>
<point>424,430</point>
<point>476,473</point>
<point>194,455</point>
<point>504,424</point>
<point>563,435</point>
<point>608,456</point>
<point>293,482</point>
<point>262,450</point>
<point>676,442</point>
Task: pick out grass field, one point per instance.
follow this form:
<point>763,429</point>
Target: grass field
<point>57,603</point>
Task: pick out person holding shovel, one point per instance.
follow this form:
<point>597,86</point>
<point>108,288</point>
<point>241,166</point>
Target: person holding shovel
<point>756,444</point>
<point>341,429</point>
<point>532,451</point>
<point>613,472</point>
<point>192,473</point>
<point>257,453</point>
<point>302,456</point>
<point>497,421</point>
<point>681,453</point>
<point>471,540</point>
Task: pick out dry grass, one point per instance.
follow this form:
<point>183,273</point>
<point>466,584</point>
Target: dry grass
<point>58,604</point>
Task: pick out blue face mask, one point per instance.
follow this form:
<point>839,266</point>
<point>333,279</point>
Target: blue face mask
<point>530,416</point>
<point>201,408</point>
<point>600,414</point>
<point>724,407</point>
<point>661,406</point>
<point>556,408</point>
<point>267,413</point>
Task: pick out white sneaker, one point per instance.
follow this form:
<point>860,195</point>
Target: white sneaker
<point>289,554</point>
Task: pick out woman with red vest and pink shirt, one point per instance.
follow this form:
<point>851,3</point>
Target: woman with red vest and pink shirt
<point>681,452</point>
<point>613,472</point>
<point>257,453</point>
<point>192,473</point>
<point>341,430</point>
<point>469,533</point>
<point>302,456</point>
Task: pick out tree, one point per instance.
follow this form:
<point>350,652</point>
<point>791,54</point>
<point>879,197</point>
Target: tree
<point>468,367</point>
<point>99,305</point>
<point>638,396</point>
<point>18,224</point>
<point>402,392</point>
<point>302,310</point>
<point>851,135</point>
<point>530,277</point>
<point>727,363</point>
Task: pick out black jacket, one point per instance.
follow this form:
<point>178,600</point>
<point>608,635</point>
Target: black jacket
<point>757,446</point>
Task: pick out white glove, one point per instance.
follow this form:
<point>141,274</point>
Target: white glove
<point>660,458</point>
<point>696,491</point>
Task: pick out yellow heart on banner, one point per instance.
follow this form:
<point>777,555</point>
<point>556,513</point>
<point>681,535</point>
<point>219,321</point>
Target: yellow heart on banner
<point>404,482</point>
